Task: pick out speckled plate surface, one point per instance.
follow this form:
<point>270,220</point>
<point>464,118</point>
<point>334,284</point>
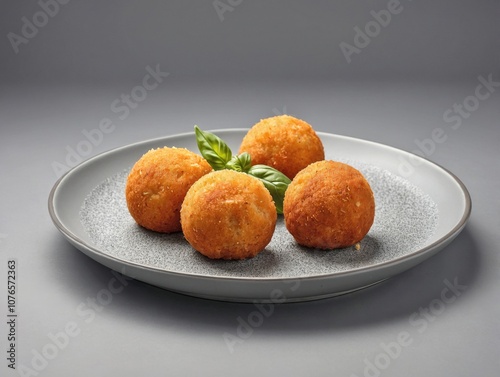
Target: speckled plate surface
<point>420,208</point>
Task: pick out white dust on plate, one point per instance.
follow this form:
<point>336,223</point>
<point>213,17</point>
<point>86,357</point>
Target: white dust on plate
<point>405,218</point>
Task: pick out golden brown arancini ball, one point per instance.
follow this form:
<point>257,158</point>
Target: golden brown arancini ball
<point>228,215</point>
<point>283,142</point>
<point>157,184</point>
<point>329,205</point>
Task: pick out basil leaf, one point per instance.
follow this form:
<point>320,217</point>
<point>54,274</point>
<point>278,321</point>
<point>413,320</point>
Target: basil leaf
<point>219,156</point>
<point>213,149</point>
<point>241,162</point>
<point>275,181</point>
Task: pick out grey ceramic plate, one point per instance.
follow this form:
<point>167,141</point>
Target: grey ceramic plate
<point>420,208</point>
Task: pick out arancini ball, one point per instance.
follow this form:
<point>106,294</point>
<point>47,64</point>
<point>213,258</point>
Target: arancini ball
<point>228,215</point>
<point>329,205</point>
<point>157,184</point>
<point>283,142</point>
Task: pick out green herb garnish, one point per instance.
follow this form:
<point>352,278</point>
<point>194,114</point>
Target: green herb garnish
<point>219,156</point>
<point>241,162</point>
<point>275,181</point>
<point>213,149</point>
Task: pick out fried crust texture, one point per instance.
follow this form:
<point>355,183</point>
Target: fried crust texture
<point>329,205</point>
<point>228,215</point>
<point>283,142</point>
<point>157,184</point>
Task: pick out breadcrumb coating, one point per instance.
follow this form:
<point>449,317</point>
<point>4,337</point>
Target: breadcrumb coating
<point>329,205</point>
<point>157,184</point>
<point>283,142</point>
<point>228,215</point>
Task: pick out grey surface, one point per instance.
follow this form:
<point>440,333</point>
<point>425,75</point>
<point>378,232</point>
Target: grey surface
<point>230,74</point>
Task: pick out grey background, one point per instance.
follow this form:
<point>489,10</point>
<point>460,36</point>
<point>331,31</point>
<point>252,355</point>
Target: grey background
<point>107,41</point>
<point>264,58</point>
